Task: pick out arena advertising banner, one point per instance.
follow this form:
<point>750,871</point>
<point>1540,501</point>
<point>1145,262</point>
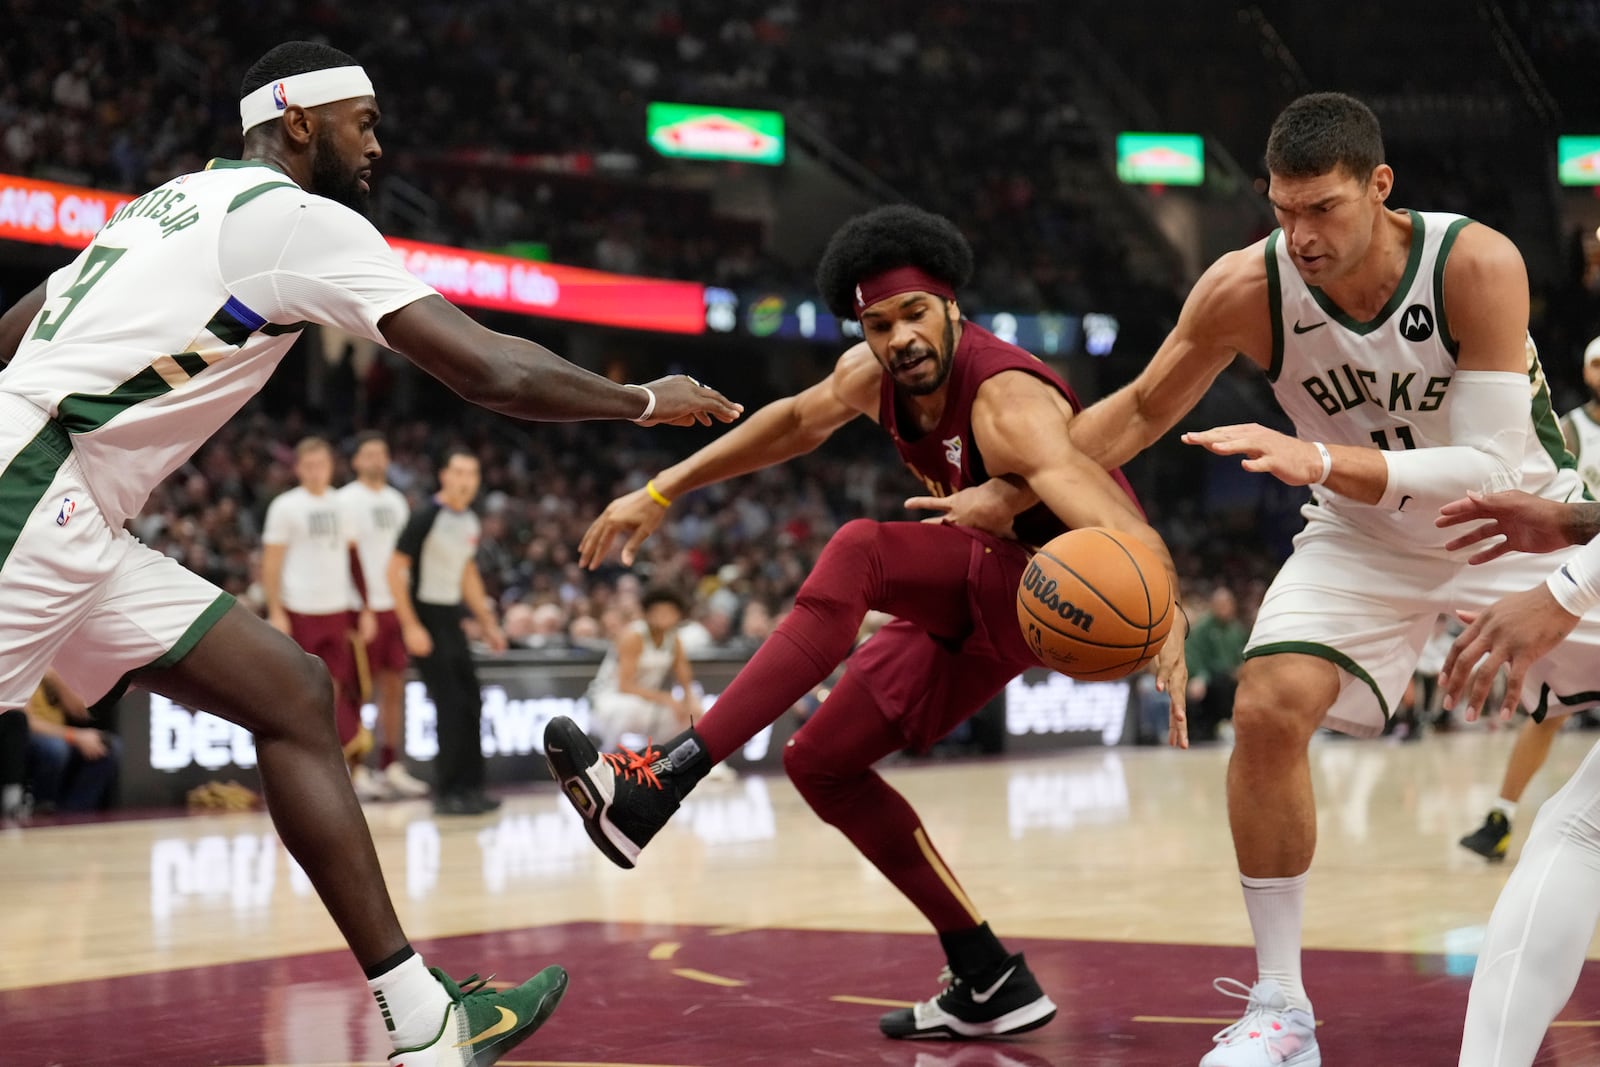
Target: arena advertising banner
<point>1578,160</point>
<point>505,283</point>
<point>50,213</point>
<point>53,214</point>
<point>169,749</point>
<point>690,131</point>
<point>1161,158</point>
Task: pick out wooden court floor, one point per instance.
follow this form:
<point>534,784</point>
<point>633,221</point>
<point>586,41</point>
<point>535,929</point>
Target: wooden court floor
<point>751,933</point>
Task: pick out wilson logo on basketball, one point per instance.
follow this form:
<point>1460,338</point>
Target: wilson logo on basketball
<point>1044,591</point>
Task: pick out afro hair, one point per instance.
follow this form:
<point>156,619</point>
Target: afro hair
<point>291,58</point>
<point>887,237</point>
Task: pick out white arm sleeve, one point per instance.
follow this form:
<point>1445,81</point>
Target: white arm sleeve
<point>290,257</point>
<point>1491,415</point>
<point>1576,583</point>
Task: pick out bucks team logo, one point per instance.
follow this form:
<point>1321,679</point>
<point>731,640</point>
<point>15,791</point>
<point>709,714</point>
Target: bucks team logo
<point>952,451</point>
<point>1416,325</point>
<point>280,96</point>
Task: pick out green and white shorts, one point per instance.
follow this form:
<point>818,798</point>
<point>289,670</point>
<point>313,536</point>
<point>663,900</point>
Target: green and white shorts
<point>77,593</point>
<point>1368,608</point>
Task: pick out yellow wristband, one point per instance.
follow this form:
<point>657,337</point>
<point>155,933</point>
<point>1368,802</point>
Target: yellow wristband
<point>656,494</point>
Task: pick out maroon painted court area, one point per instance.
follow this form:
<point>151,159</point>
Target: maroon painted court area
<point>703,997</point>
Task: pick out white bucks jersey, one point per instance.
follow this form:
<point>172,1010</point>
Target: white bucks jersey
<point>1385,383</point>
<point>1583,437</point>
<point>180,310</point>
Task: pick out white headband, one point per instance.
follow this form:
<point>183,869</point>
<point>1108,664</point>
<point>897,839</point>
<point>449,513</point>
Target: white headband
<point>303,90</point>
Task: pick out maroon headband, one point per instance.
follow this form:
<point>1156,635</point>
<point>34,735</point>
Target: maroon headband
<point>899,280</point>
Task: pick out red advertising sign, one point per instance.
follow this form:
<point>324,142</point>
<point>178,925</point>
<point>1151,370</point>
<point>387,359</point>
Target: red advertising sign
<point>53,214</point>
<point>504,283</point>
<point>50,213</point>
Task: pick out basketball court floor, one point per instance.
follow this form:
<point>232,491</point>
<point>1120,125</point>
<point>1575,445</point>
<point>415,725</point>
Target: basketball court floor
<point>752,934</point>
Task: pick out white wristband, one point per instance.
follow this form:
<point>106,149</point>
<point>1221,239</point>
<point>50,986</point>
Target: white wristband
<point>1327,462</point>
<point>649,404</point>
<point>1574,586</point>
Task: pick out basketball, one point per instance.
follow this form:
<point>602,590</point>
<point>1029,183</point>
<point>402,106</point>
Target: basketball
<point>1095,604</point>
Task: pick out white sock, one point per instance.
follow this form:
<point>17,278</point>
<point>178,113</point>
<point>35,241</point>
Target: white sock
<point>1505,807</point>
<point>412,1001</point>
<point>1534,946</point>
<point>1275,906</point>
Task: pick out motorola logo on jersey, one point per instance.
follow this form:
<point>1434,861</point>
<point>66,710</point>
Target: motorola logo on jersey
<point>1416,325</point>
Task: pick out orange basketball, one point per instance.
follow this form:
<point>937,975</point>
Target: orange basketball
<point>1095,604</point>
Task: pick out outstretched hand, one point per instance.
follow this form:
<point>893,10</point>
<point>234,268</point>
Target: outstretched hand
<point>1514,632</point>
<point>635,516</point>
<point>682,401</point>
<point>1288,459</point>
<point>1526,523</point>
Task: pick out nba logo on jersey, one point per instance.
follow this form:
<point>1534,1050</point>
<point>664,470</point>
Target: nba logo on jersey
<point>279,96</point>
<point>68,506</point>
<point>952,451</point>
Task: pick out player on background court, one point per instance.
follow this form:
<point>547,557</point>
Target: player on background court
<point>1581,428</point>
<point>1536,941</point>
<point>123,362</point>
<point>374,513</point>
<point>307,577</point>
<point>961,406</point>
<point>1397,341</point>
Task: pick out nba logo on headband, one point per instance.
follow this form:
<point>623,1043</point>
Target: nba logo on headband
<point>279,96</point>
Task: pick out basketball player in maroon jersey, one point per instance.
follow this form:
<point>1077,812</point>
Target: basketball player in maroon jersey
<point>961,406</point>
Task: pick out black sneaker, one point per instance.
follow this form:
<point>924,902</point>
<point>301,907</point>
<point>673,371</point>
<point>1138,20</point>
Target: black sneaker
<point>624,797</point>
<point>1008,1001</point>
<point>469,803</point>
<point>1492,839</point>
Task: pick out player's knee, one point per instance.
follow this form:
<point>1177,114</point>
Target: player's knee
<point>858,537</point>
<point>1263,717</point>
<point>310,692</point>
<point>808,768</point>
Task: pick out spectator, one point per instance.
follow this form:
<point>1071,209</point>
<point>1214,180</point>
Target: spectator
<point>1214,651</point>
<point>71,765</point>
<point>632,694</point>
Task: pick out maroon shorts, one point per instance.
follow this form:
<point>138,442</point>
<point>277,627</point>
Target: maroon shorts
<point>927,685</point>
<point>331,637</point>
<point>387,649</point>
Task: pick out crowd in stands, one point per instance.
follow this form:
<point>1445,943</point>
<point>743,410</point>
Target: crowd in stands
<point>113,97</point>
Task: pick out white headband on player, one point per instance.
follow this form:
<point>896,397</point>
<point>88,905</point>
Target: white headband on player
<point>303,90</point>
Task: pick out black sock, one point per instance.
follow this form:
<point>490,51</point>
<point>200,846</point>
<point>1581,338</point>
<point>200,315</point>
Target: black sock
<point>689,759</point>
<point>973,952</point>
<point>389,963</point>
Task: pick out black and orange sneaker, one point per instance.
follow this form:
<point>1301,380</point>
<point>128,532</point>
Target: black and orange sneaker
<point>624,797</point>
<point>1491,840</point>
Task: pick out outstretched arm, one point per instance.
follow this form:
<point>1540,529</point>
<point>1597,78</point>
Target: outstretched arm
<point>782,430</point>
<point>528,381</point>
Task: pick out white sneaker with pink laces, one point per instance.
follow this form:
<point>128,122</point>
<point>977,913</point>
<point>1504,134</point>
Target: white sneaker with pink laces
<point>1270,1034</point>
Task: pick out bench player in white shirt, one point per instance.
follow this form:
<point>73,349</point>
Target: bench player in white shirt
<point>374,513</point>
<point>123,362</point>
<point>307,577</point>
<point>1397,343</point>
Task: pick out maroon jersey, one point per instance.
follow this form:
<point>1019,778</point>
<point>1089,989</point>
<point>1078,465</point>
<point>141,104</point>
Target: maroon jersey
<point>946,458</point>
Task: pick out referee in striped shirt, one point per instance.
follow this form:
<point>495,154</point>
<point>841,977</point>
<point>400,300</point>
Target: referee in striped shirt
<point>432,573</point>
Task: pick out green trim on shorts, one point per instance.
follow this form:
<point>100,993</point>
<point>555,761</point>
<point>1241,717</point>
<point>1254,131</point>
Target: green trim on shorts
<point>1565,699</point>
<point>1332,655</point>
<point>26,479</point>
<point>199,628</point>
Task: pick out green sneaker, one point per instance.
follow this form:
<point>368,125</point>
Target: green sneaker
<point>484,1024</point>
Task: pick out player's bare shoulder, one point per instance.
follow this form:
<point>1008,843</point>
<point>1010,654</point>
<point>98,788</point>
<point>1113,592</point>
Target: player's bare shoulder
<point>1229,306</point>
<point>1480,263</point>
<point>857,377</point>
